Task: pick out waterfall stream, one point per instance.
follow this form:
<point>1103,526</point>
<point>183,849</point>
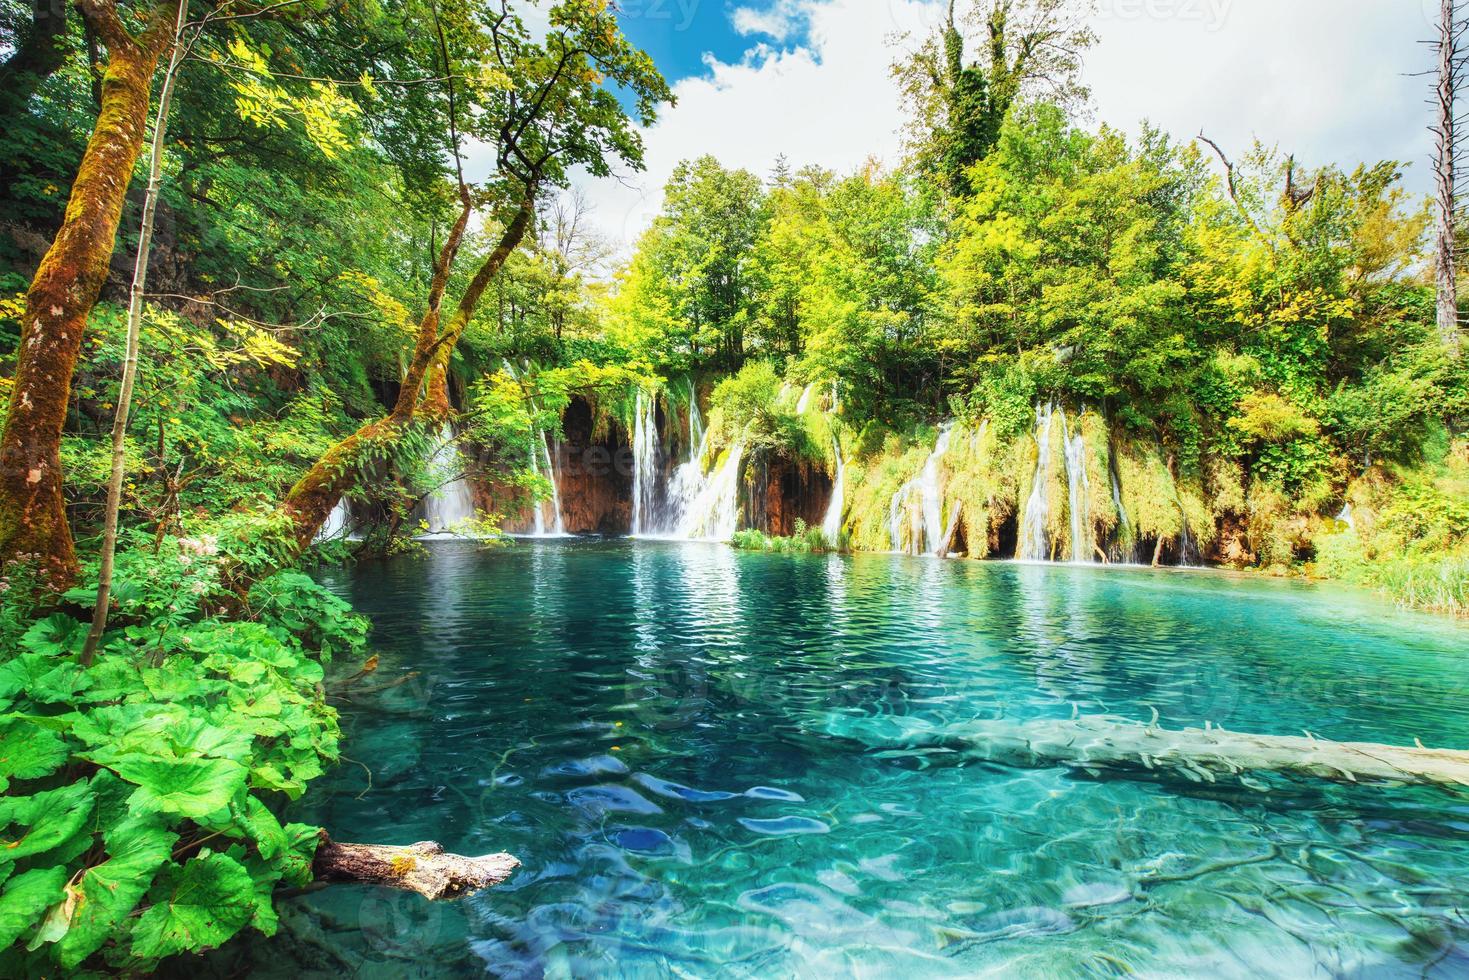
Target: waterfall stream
<point>645,465</point>
<point>831,527</point>
<point>338,522</point>
<point>452,504</point>
<point>1076,492</point>
<point>1034,543</point>
<point>915,514</point>
<point>714,514</point>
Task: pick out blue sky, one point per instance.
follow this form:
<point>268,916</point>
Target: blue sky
<point>680,34</point>
<point>1330,80</point>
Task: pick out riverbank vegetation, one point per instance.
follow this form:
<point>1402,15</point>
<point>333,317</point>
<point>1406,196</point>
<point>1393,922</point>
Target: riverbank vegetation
<point>1031,337</point>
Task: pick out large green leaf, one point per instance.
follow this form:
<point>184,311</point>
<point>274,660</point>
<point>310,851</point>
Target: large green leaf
<point>197,906</point>
<point>262,827</point>
<point>26,897</point>
<point>188,787</point>
<point>55,636</point>
<point>40,822</point>
<point>136,849</point>
<point>28,751</point>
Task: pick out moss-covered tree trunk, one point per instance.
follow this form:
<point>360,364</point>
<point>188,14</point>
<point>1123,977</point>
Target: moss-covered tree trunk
<point>311,500</point>
<point>33,525</point>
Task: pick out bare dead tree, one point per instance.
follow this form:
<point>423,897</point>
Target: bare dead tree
<point>1450,63</point>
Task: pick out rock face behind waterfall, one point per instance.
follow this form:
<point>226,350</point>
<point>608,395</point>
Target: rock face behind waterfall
<point>779,492</point>
<point>593,476</point>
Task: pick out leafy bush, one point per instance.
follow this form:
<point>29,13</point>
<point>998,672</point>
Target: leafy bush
<point>806,540</point>
<point>142,792</point>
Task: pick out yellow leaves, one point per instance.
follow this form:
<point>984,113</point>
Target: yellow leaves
<point>393,312</point>
<point>1267,417</point>
<point>322,110</point>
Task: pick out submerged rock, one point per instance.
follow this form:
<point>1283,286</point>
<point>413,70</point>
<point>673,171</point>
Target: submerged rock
<point>597,800</point>
<point>785,826</point>
<point>675,791</point>
<point>596,766</point>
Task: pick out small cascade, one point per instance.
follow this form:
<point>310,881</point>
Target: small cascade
<point>1123,524</point>
<point>915,514</point>
<point>452,504</point>
<point>543,465</point>
<point>714,514</point>
<point>645,464</point>
<point>803,404</point>
<point>553,458</point>
<point>1347,517</point>
<point>338,522</point>
<point>1082,540</point>
<point>696,425</point>
<point>831,527</point>
<point>1034,545</point>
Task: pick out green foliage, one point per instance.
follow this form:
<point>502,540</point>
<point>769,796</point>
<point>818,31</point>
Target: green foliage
<point>142,791</point>
<point>806,540</point>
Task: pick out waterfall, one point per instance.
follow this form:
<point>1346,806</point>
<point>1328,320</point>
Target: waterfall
<point>338,522</point>
<point>831,527</point>
<point>924,525</point>
<point>452,504</point>
<point>714,514</point>
<point>803,404</point>
<point>696,424</point>
<point>1346,517</point>
<point>1034,545</point>
<point>645,464</point>
<point>553,458</point>
<point>1082,540</point>
<point>540,455</point>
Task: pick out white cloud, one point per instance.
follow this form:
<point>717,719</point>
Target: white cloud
<point>780,21</point>
<point>1325,79</point>
<point>829,102</point>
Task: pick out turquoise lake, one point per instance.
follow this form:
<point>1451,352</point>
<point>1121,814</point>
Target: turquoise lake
<point>654,730</point>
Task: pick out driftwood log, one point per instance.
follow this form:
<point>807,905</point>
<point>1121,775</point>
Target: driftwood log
<point>1098,743</point>
<point>425,868</point>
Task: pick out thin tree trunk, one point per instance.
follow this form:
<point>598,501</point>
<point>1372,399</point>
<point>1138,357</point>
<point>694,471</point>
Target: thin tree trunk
<point>1448,292</point>
<point>130,361</point>
<point>311,500</point>
<point>33,525</point>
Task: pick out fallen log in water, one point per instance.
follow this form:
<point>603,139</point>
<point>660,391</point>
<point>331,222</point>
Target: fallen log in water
<point>424,868</point>
<point>1096,743</point>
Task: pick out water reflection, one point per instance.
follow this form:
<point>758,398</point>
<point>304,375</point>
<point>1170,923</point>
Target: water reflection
<point>648,726</point>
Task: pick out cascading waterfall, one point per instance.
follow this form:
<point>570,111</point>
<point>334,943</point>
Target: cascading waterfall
<point>1076,492</point>
<point>1034,545</point>
<point>553,457</point>
<point>645,464</point>
<point>803,404</point>
<point>338,522</point>
<point>715,513</point>
<point>920,530</point>
<point>831,527</point>
<point>452,504</point>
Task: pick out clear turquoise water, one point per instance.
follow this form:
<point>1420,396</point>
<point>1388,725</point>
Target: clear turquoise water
<point>645,726</point>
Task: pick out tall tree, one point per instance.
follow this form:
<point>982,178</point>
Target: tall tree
<point>959,101</point>
<point>548,106</point>
<point>1450,59</point>
<point>32,511</point>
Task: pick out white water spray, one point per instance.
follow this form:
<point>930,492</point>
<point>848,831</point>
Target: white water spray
<point>452,504</point>
<point>831,527</point>
<point>1033,543</point>
<point>1074,443</point>
<point>645,464</point>
<point>915,514</point>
